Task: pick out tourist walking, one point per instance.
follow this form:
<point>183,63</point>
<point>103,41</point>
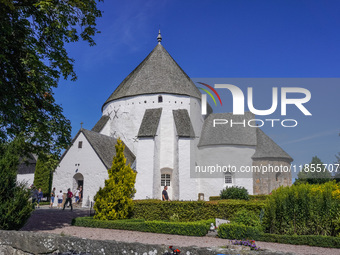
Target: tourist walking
<point>68,198</point>
<point>76,195</point>
<point>52,197</point>
<point>60,198</point>
<point>40,196</point>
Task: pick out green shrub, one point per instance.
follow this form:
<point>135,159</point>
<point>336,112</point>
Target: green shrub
<point>235,193</point>
<point>15,206</point>
<point>43,173</point>
<point>114,201</point>
<point>199,228</point>
<point>248,218</point>
<point>238,231</point>
<point>192,210</point>
<point>258,197</point>
<point>303,209</point>
<point>311,240</point>
<point>251,197</point>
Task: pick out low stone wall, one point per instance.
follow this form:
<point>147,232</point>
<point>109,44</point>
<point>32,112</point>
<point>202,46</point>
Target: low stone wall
<point>27,243</point>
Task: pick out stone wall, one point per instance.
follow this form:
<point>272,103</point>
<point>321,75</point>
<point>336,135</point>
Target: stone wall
<point>266,181</point>
<point>27,243</point>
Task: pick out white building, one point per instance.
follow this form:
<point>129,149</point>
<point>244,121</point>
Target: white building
<point>156,111</point>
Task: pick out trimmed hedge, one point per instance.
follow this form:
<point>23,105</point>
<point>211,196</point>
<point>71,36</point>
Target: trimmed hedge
<point>238,231</point>
<point>251,197</point>
<point>192,210</point>
<point>199,228</point>
<point>242,232</point>
<point>311,240</point>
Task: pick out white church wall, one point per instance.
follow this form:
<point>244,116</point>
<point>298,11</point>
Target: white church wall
<point>144,167</point>
<point>225,155</point>
<point>106,129</point>
<point>188,187</point>
<point>90,166</point>
<point>127,114</point>
<point>156,167</point>
<point>26,178</point>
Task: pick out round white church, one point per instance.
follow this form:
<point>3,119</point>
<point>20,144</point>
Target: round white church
<point>156,111</point>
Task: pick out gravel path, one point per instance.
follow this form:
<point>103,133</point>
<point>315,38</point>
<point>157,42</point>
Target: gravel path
<point>59,222</point>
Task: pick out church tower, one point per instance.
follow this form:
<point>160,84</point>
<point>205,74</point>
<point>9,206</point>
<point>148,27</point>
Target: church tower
<point>156,111</point>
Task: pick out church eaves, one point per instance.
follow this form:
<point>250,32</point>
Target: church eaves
<point>157,73</point>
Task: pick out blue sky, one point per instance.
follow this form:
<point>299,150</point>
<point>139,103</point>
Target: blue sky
<point>218,39</point>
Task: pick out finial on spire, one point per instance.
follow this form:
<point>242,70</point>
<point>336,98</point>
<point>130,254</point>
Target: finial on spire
<point>159,37</point>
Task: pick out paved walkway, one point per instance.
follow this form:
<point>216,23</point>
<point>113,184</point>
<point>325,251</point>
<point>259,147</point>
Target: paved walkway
<point>58,221</point>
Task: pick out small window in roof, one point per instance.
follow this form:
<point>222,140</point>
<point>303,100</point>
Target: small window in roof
<point>160,99</point>
<point>80,144</point>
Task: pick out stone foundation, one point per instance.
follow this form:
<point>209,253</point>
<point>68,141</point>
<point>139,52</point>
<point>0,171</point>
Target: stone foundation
<point>28,243</point>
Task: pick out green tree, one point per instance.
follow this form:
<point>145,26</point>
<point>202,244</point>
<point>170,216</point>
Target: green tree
<point>44,172</point>
<point>314,173</point>
<point>33,58</point>
<point>15,207</point>
<point>114,201</point>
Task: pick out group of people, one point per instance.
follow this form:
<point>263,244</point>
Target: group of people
<point>37,195</point>
<point>78,195</point>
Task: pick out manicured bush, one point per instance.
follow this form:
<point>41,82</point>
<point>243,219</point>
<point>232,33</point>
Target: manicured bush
<point>238,231</point>
<point>251,197</point>
<point>114,201</point>
<point>311,240</point>
<point>199,228</point>
<point>235,193</point>
<point>192,210</point>
<point>248,218</point>
<point>304,209</point>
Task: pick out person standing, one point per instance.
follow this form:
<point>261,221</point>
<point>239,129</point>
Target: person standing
<point>60,198</point>
<point>34,194</point>
<point>40,196</point>
<point>165,196</point>
<point>80,194</point>
<point>52,197</point>
<point>68,198</point>
<point>76,195</point>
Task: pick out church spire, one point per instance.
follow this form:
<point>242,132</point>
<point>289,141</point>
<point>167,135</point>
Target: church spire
<point>159,37</point>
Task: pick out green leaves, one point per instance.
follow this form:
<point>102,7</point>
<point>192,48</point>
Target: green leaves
<point>15,207</point>
<point>32,60</point>
<point>114,201</point>
<point>303,209</point>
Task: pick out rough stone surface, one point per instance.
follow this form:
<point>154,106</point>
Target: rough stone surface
<point>24,243</point>
<point>265,182</point>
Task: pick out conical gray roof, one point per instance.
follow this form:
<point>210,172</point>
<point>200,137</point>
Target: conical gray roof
<point>267,148</point>
<point>158,73</point>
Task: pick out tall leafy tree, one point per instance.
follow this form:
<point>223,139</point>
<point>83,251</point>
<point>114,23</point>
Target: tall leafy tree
<point>314,173</point>
<point>44,172</point>
<point>33,58</point>
<point>15,207</point>
<point>114,201</point>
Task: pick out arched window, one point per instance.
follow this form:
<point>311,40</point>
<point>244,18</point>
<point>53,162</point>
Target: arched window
<point>160,99</point>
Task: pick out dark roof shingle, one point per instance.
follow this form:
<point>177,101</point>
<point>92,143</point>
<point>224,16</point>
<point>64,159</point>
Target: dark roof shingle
<point>157,73</point>
<point>100,124</point>
<point>104,146</point>
<point>225,134</point>
<point>149,125</point>
<point>183,123</point>
<point>267,148</point>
